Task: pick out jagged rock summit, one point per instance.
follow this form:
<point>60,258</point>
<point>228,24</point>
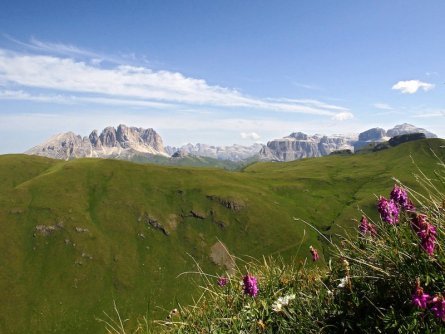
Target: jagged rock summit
<point>123,142</point>
<point>299,145</point>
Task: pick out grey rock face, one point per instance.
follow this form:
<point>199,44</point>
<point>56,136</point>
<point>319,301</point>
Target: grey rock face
<point>372,134</point>
<point>299,145</point>
<point>111,143</point>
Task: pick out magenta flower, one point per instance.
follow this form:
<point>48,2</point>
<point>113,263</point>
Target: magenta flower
<point>222,281</point>
<point>389,212</point>
<point>400,196</point>
<point>366,227</point>
<point>314,253</point>
<point>426,232</point>
<point>419,298</point>
<point>438,307</point>
<point>250,285</point>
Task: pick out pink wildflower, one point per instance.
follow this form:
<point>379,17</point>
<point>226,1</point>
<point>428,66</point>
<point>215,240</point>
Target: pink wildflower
<point>419,298</point>
<point>438,307</point>
<point>426,232</point>
<point>400,196</point>
<point>222,281</point>
<point>250,285</point>
<point>314,253</point>
<point>366,227</point>
<point>389,212</point>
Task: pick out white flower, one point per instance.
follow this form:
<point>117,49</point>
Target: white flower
<point>277,306</point>
<point>343,282</point>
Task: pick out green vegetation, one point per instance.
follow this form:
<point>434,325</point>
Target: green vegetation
<point>385,277</point>
<point>77,235</point>
<point>190,161</point>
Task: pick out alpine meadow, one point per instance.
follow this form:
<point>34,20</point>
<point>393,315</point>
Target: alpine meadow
<point>222,167</point>
<point>78,235</point>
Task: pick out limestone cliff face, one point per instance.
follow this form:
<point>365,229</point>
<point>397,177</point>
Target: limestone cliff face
<point>299,145</point>
<point>123,142</point>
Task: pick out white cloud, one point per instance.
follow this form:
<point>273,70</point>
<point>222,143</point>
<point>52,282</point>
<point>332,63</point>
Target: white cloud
<point>250,135</point>
<point>342,116</point>
<point>124,83</point>
<point>383,106</point>
<point>412,86</point>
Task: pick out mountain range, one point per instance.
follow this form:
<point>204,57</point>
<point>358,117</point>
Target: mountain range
<point>132,143</point>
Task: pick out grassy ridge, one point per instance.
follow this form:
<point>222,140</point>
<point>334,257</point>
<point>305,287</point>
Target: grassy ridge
<point>97,243</point>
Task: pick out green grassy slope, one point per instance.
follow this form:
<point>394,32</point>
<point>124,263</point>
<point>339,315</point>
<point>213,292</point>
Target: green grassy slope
<point>190,161</point>
<point>75,235</point>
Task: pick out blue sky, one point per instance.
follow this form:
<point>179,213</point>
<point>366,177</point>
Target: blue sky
<point>219,72</point>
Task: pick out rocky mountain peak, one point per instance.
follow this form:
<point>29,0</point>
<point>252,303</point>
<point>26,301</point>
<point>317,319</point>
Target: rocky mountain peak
<point>122,142</point>
<point>405,128</point>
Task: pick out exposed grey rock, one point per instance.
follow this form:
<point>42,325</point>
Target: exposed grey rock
<point>123,143</point>
<point>372,134</point>
<point>299,145</point>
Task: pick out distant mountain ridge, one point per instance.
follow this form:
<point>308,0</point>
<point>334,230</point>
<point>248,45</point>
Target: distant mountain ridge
<point>234,152</point>
<point>122,143</point>
<point>129,143</point>
<point>299,145</point>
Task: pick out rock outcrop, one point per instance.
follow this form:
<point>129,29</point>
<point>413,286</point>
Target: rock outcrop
<point>123,142</point>
<point>299,145</point>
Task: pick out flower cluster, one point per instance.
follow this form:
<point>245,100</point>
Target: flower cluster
<point>424,301</point>
<point>419,298</point>
<point>426,232</point>
<point>222,281</point>
<point>250,285</point>
<point>400,196</point>
<point>277,306</point>
<point>389,211</point>
<point>314,253</point>
<point>438,307</point>
<point>366,227</point>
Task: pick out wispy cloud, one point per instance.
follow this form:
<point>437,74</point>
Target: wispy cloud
<point>412,86</point>
<point>21,95</point>
<point>383,106</point>
<point>124,84</point>
<point>62,49</point>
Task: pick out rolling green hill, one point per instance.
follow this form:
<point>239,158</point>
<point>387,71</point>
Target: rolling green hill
<point>75,235</point>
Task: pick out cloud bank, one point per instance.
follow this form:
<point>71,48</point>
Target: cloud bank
<point>67,80</point>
